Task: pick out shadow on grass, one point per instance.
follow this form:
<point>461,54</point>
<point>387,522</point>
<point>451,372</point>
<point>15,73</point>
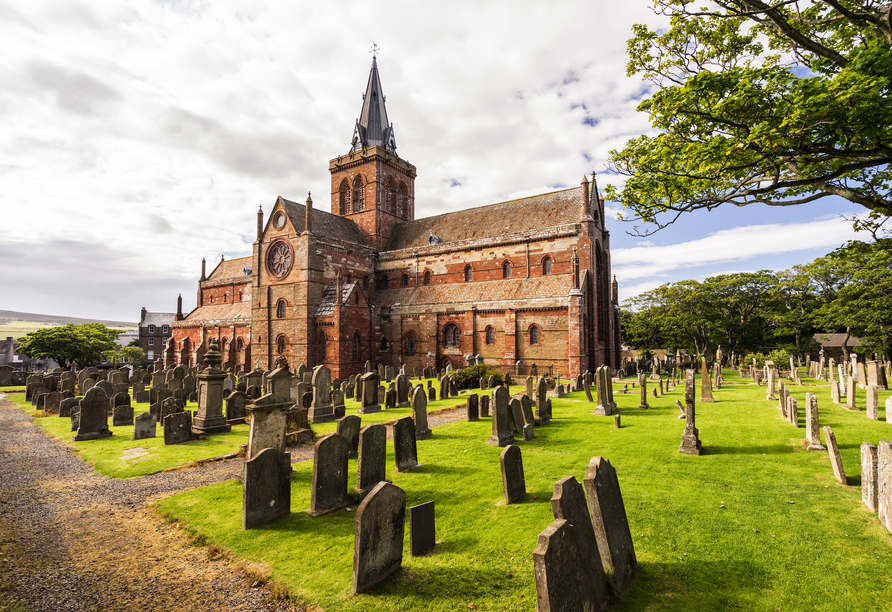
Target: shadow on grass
<point>773,449</point>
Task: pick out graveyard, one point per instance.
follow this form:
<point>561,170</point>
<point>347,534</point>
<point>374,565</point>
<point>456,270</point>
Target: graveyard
<point>754,521</point>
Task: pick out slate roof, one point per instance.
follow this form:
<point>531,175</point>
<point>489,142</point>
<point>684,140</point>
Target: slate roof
<point>231,270</point>
<point>836,340</point>
<point>533,292</point>
<point>324,224</point>
<point>158,319</point>
<point>230,313</point>
<point>373,128</point>
<point>327,307</point>
<point>521,216</point>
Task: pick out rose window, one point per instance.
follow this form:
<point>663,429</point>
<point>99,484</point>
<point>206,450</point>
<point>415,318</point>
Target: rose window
<point>279,259</point>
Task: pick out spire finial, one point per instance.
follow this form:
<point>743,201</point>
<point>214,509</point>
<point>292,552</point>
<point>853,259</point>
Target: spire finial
<point>374,50</point>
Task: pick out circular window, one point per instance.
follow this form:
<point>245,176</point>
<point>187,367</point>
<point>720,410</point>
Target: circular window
<point>279,220</point>
<point>279,258</point>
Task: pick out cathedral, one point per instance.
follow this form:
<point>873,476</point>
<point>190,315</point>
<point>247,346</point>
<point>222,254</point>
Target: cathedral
<point>521,281</point>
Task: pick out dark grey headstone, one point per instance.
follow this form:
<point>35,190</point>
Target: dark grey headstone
<point>66,405</point>
<point>177,427</point>
<point>235,408</point>
<point>123,415</point>
<point>473,407</point>
<point>484,406</point>
<point>378,541</point>
<point>329,490</point>
<point>422,528</point>
<point>93,420</point>
<point>502,430</point>
<point>419,412</point>
<point>405,449</point>
<point>557,568</point>
<point>833,451</point>
<point>266,488</point>
<point>52,402</point>
<point>517,415</point>
<point>348,428</point>
<point>371,466</point>
<point>144,426</point>
<point>513,483</point>
<point>608,513</point>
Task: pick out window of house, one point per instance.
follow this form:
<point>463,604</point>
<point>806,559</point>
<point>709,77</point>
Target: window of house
<point>469,274</point>
<point>405,280</point>
<point>151,329</point>
<point>490,335</point>
<point>280,309</point>
<point>427,277</point>
<point>165,330</point>
<point>280,344</point>
<point>358,195</point>
<point>506,269</point>
<point>150,356</point>
<point>410,345</point>
<point>546,266</point>
<point>534,334</point>
<point>151,341</point>
<point>452,335</point>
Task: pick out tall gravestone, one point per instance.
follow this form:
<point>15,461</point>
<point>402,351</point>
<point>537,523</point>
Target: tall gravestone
<point>321,410</point>
<point>812,427</point>
<point>378,539</point>
<point>543,407</point>
<point>268,416</point>
<point>419,413</point>
<point>405,450</point>
<point>473,407</point>
<point>871,402</point>
<point>884,483</point>
<point>605,405</point>
<point>690,439</point>
<point>329,489</point>
<point>502,433</point>
<point>869,476</point>
<point>513,483</point>
<point>209,418</point>
<point>348,428</point>
<point>93,423</point>
<point>833,452</point>
<point>371,465</point>
<point>705,383</point>
<point>370,401</point>
<point>266,488</point>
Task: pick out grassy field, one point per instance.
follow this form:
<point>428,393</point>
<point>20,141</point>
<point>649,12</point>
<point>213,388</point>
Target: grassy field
<point>755,523</point>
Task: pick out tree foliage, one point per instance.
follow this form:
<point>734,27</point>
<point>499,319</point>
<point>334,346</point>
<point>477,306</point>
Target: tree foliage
<point>82,344</point>
<point>781,102</point>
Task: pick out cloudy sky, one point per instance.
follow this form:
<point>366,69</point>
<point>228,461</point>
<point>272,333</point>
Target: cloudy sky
<point>140,136</point>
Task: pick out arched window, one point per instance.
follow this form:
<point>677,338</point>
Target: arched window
<point>452,335</point>
<point>223,344</point>
<point>225,297</point>
<point>469,274</point>
<point>280,309</point>
<point>320,348</point>
<point>365,282</point>
<point>344,196</point>
<point>402,201</point>
<point>546,266</point>
<point>358,194</point>
<point>356,298</point>
<point>281,344</point>
<point>427,277</point>
<point>534,334</point>
<point>405,280</point>
<point>490,335</point>
<point>239,344</point>
<point>385,282</point>
<point>355,352</point>
<point>349,278</point>
<point>410,344</point>
<point>389,196</point>
<point>506,269</point>
<point>383,343</point>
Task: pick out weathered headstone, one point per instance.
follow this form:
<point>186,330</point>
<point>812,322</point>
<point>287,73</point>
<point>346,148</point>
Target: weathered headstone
<point>93,419</point>
<point>556,567</point>
<point>329,489</point>
<point>422,528</point>
<point>502,432</point>
<point>369,400</point>
<point>268,421</point>
<point>348,428</point>
<point>236,405</point>
<point>516,415</point>
<point>419,413</point>
<point>371,466</point>
<point>833,452</point>
<point>144,426</point>
<point>869,476</point>
<point>66,405</point>
<point>543,406</point>
<point>378,541</point>
<point>484,406</point>
<point>513,483</point>
<point>850,394</point>
<point>405,450</point>
<point>473,407</point>
<point>812,428</point>
<point>884,483</point>
<point>177,428</point>
<point>123,415</point>
<point>321,410</point>
<point>266,488</point>
<point>872,402</point>
<point>690,439</point>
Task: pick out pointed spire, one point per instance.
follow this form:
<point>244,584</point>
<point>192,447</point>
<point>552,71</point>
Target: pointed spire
<point>616,291</point>
<point>203,270</point>
<point>180,316</point>
<point>372,128</point>
<point>308,220</point>
<point>259,222</point>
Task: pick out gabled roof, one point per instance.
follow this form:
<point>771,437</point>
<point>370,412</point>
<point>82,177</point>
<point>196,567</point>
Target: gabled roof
<point>231,270</point>
<point>327,306</point>
<point>373,128</point>
<point>228,313</point>
<point>836,340</point>
<point>324,224</point>
<point>526,215</point>
<point>158,319</point>
<point>534,292</point>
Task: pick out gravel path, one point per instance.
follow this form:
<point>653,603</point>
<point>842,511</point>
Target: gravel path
<point>74,540</point>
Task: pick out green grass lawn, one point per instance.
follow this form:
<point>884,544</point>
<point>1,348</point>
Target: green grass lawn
<point>788,538</point>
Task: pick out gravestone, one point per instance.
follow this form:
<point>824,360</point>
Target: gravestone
<point>568,503</point>
<point>268,417</point>
<point>889,409</point>
<point>869,476</point>
<point>473,407</point>
<point>502,432</point>
<point>123,415</point>
<point>833,452</point>
<point>52,403</point>
<point>543,406</point>
<point>812,428</point>
<point>513,483</point>
<point>348,428</point>
<point>871,401</point>
<point>608,514</point>
<point>690,439</point>
<point>705,383</point>
<point>378,539</point>
<point>371,466</point>
<point>643,392</point>
<point>884,483</point>
<point>321,410</point>
<point>526,406</point>
<point>556,567</point>
<point>329,489</point>
<point>177,428</point>
<point>792,411</point>
<point>66,406</point>
<point>530,384</point>
<point>390,398</point>
<point>266,488</point>
<point>235,408</point>
<point>850,394</point>
<point>93,416</point>
<point>484,406</point>
<point>402,391</point>
<point>405,450</point>
<point>144,426</point>
<point>422,528</point>
<point>419,412</point>
<point>369,399</point>
<point>605,405</point>
<point>516,415</point>
<point>431,394</point>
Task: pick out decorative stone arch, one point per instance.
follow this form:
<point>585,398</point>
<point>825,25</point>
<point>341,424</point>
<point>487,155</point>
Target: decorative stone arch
<point>402,201</point>
<point>404,280</point>
<point>451,335</point>
<point>469,273</point>
<point>428,277</point>
<point>390,195</point>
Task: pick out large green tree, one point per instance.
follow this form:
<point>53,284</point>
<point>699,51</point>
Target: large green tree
<point>781,102</point>
<point>83,344</point>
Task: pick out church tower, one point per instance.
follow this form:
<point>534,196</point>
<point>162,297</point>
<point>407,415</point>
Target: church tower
<point>371,184</point>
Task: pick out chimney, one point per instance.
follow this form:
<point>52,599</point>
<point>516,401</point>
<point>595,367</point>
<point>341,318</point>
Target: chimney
<point>585,196</point>
<point>142,315</point>
<point>180,316</point>
<point>259,222</point>
<point>308,223</point>
<point>203,270</point>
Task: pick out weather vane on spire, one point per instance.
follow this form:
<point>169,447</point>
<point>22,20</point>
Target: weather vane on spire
<point>374,50</point>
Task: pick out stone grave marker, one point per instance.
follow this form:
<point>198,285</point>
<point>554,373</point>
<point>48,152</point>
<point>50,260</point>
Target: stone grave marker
<point>370,402</point>
<point>513,483</point>
<point>419,412</point>
<point>502,432</point>
<point>144,426</point>
<point>884,483</point>
<point>123,415</point>
<point>66,406</point>
<point>473,407</point>
<point>690,439</point>
<point>266,488</point>
<point>871,401</point>
<point>484,406</point>
<point>850,394</point>
<point>543,407</point>
<point>177,428</point>
<point>378,540</point>
<point>52,403</point>
<point>93,416</point>
<point>329,489</point>
<point>422,528</point>
<point>556,567</point>
<point>371,465</point>
<point>793,411</point>
<point>517,415</point>
<point>869,476</point>
<point>404,446</point>
<point>321,410</point>
<point>812,428</point>
<point>833,452</point>
<point>348,428</point>
<point>268,417</point>
<point>235,408</point>
<point>608,513</point>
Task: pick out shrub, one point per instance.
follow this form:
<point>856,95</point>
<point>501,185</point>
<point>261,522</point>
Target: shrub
<point>469,378</point>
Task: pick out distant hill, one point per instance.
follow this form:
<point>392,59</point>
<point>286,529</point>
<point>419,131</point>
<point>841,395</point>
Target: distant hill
<point>57,319</point>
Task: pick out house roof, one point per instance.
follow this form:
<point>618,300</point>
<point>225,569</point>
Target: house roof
<point>158,319</point>
<point>836,340</point>
<point>534,292</point>
<point>229,313</point>
<point>324,224</point>
<point>231,270</point>
<point>521,216</point>
<point>327,307</point>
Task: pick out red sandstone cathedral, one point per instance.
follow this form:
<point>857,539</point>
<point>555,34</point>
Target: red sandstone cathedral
<point>526,280</point>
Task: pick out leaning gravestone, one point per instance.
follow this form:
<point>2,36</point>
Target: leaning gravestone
<point>144,426</point>
<point>884,483</point>
<point>329,490</point>
<point>266,488</point>
<point>869,476</point>
<point>378,541</point>
<point>348,428</point>
<point>419,413</point>
<point>371,465</point>
<point>422,527</point>
<point>568,503</point>
<point>93,416</point>
<point>405,450</point>
<point>833,451</point>
<point>66,406</point>
<point>556,566</point>
<point>516,414</point>
<point>608,513</point>
<point>513,483</point>
<point>177,428</point>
